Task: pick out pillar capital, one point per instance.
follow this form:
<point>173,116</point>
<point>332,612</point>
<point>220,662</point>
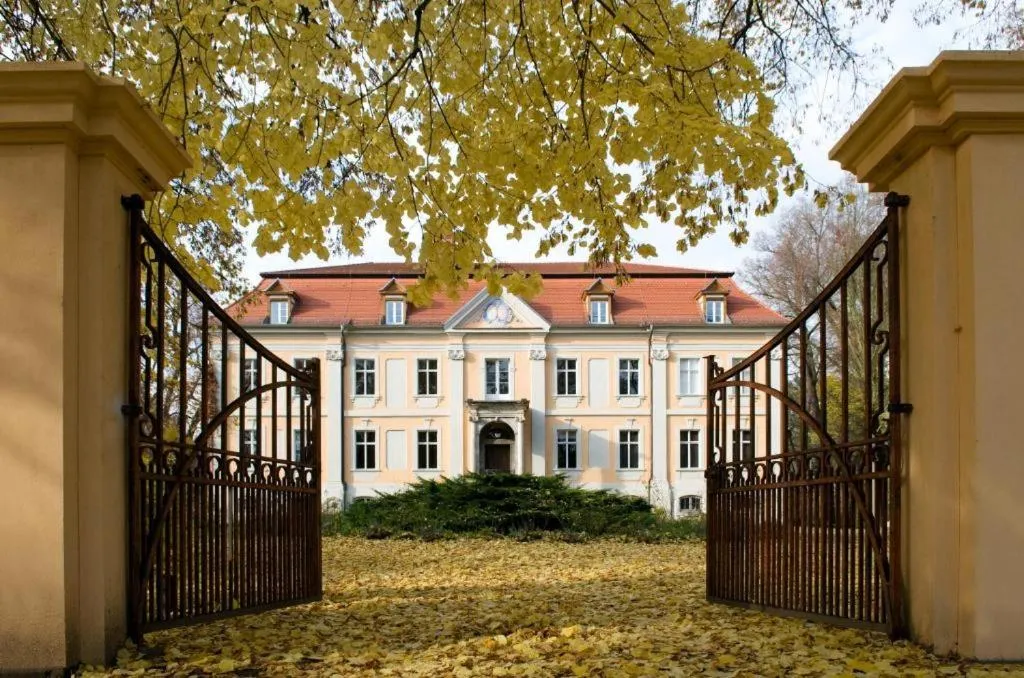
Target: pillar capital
<point>959,94</point>
<point>99,115</point>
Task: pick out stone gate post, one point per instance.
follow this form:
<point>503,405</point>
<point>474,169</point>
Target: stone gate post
<point>951,136</point>
<point>71,144</point>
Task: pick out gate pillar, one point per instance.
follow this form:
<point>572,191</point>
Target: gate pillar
<point>951,136</point>
<point>71,144</point>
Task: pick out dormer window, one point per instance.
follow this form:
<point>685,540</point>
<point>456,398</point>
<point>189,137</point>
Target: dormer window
<point>713,302</point>
<point>714,310</point>
<point>599,303</point>
<point>282,301</point>
<point>279,311</point>
<point>394,303</point>
<point>394,312</point>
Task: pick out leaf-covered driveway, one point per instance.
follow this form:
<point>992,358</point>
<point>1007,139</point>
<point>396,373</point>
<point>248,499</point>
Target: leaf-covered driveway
<point>501,608</point>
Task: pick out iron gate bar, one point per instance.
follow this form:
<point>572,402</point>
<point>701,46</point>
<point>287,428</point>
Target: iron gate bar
<point>813,529</point>
<point>213,532</point>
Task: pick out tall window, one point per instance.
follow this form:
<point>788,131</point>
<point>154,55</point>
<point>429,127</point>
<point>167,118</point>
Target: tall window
<point>366,450</point>
<point>366,376</point>
<point>426,376</point>
<point>689,376</point>
<point>565,377</point>
<point>300,445</point>
<point>250,444</point>
<point>689,505</point>
<point>566,450</point>
<point>689,449</point>
<point>745,375</point>
<point>714,311</point>
<point>250,374</point>
<point>303,363</point>
<point>279,312</point>
<point>496,377</point>
<point>742,445</point>
<point>394,312</point>
<point>426,450</point>
<point>629,376</point>
<point>629,449</point>
<point>599,312</point>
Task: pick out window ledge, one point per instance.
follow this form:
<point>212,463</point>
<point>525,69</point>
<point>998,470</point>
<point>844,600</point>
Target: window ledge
<point>365,470</point>
<point>630,400</point>
<point>365,400</point>
<point>428,401</point>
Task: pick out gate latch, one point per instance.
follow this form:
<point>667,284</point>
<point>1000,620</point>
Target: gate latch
<point>131,410</point>
<point>900,408</point>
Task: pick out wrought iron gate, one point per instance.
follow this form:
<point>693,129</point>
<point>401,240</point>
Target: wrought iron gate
<point>804,455</point>
<point>224,454</point>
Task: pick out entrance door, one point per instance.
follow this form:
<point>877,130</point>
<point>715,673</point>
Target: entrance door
<point>497,458</point>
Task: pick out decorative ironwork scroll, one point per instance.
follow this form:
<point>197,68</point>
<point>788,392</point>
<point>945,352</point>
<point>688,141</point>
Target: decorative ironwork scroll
<point>804,461</point>
<point>223,445</point>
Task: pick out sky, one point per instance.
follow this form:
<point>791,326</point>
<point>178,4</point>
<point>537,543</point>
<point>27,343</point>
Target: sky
<point>899,42</point>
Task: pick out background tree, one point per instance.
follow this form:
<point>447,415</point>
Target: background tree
<point>314,122</point>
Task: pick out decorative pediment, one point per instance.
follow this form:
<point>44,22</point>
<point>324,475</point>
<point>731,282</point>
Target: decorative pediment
<point>496,312</point>
<point>715,288</point>
<point>279,289</point>
<point>393,289</point>
<point>599,289</point>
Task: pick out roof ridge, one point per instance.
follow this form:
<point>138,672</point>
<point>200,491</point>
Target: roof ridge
<point>559,268</point>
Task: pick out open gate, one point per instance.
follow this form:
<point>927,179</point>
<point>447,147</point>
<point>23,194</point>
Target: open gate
<point>804,455</point>
<point>223,455</point>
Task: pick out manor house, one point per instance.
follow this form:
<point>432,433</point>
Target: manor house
<point>592,379</point>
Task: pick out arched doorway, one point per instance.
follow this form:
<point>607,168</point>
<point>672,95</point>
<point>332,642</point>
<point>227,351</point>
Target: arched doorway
<point>497,440</point>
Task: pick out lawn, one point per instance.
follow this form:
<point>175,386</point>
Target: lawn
<point>501,608</point>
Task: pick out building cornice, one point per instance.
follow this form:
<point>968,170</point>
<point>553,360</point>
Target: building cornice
<point>958,94</point>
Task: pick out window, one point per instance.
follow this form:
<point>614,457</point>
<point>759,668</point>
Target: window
<point>689,504</point>
<point>301,444</point>
<point>426,450</point>
<point>599,312</point>
<point>250,445</point>
<point>629,449</point>
<point>566,451</point>
<point>394,312</point>
<point>742,445</point>
<point>250,374</point>
<point>279,312</point>
<point>496,377</point>
<point>366,376</point>
<point>426,376</point>
<point>629,376</point>
<point>745,375</point>
<point>303,364</point>
<point>366,450</point>
<point>689,376</point>
<point>714,311</point>
<point>689,449</point>
<point>565,377</point>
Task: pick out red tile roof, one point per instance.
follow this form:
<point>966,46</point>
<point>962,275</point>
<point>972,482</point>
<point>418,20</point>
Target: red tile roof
<point>662,295</point>
<point>546,268</point>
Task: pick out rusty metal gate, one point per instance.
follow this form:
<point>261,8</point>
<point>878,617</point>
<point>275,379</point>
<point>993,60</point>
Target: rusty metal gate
<point>223,454</point>
<point>804,463</point>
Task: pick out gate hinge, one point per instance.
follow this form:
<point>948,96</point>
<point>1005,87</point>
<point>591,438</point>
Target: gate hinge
<point>131,410</point>
<point>900,408</point>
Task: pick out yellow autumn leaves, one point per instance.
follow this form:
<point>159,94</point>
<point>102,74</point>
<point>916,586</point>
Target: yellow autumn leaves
<point>501,608</point>
<point>439,120</point>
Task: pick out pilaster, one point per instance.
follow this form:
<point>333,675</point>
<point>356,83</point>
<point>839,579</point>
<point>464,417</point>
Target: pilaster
<point>457,409</point>
<point>538,405</point>
<point>334,415</point>
<point>661,494</point>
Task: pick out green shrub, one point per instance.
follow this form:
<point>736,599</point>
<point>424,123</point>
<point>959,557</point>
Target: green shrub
<point>522,507</point>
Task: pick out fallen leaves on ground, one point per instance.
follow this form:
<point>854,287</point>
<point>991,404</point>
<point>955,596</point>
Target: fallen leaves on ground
<point>501,608</point>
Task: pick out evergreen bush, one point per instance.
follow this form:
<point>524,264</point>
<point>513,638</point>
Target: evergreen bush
<point>523,507</point>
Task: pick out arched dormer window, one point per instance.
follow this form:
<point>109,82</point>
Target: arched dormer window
<point>394,303</point>
<point>281,302</point>
<point>598,299</point>
<point>713,303</point>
